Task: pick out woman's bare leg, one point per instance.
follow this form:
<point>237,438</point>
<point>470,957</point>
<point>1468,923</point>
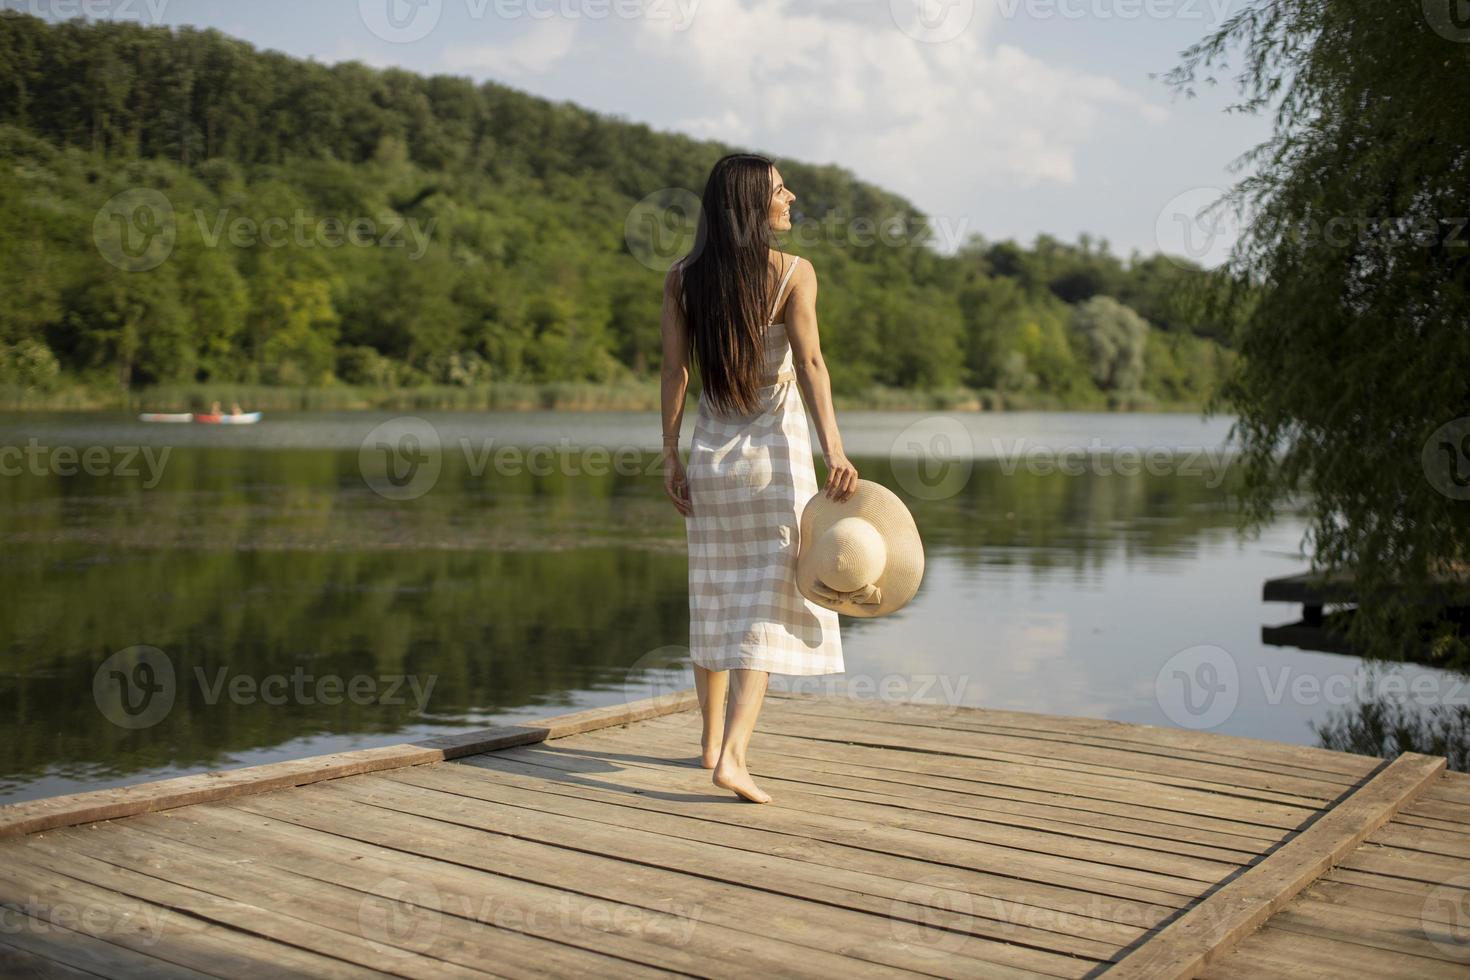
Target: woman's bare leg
<point>711,686</point>
<point>747,693</point>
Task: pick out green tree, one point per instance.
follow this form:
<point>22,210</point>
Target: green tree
<point>1114,340</point>
<point>29,364</point>
<point>133,323</point>
<point>1351,284</point>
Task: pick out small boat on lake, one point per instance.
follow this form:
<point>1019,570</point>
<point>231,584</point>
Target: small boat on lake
<point>208,418</point>
<point>220,418</point>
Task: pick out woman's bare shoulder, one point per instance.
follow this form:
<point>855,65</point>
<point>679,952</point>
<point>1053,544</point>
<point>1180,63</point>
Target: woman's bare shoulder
<point>783,260</point>
<point>805,275</point>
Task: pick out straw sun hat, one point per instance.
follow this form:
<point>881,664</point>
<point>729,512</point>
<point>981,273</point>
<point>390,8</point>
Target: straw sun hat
<point>861,556</point>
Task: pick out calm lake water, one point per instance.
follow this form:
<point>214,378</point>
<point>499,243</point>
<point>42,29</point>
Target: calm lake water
<point>177,598</point>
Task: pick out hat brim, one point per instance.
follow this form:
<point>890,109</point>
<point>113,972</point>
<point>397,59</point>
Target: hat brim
<point>880,506</point>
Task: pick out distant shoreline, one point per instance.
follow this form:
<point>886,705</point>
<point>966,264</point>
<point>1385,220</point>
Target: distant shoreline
<point>521,396</point>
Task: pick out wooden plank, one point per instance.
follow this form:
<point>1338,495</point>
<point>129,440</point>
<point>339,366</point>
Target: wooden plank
<point>1447,843</point>
<point>571,826</point>
<point>1311,588</point>
<point>1275,953</point>
<point>1097,876</point>
<point>1276,759</point>
<point>1183,947</point>
<point>1456,815</point>
<point>870,947</point>
<point>42,938</point>
<point>857,878</point>
<point>449,938</point>
<point>670,937</point>
<point>1420,890</point>
<point>217,898</point>
<point>560,726</point>
<point>914,790</point>
<point>332,921</point>
<point>1407,819</point>
<point>1391,932</point>
<point>1397,862</point>
<point>436,851</point>
<point>1071,900</point>
<point>190,936</point>
<point>1118,788</point>
<point>1276,789</point>
<point>1124,733</point>
<point>1319,587</point>
<point>1140,853</point>
<point>1018,772</point>
<point>1450,792</point>
<point>999,784</point>
<point>17,963</point>
<point>1330,890</point>
<point>109,804</point>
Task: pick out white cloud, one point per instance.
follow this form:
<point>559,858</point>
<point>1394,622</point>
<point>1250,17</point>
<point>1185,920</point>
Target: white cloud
<point>934,121</point>
<point>538,49</point>
<point>727,126</point>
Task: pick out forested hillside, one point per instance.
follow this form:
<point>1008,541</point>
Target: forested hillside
<point>287,223</point>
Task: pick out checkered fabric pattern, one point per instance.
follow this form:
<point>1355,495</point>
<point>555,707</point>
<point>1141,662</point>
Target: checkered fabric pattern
<point>749,479</point>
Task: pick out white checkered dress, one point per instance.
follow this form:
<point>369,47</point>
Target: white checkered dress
<point>749,479</point>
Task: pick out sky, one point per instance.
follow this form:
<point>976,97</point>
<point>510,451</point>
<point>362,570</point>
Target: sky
<point>1002,118</point>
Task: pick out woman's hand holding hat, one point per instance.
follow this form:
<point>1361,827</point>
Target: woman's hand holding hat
<point>842,476</point>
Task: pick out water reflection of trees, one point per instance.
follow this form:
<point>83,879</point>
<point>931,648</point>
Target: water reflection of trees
<point>1386,725</point>
<point>1055,521</point>
<point>497,630</point>
<point>510,588</point>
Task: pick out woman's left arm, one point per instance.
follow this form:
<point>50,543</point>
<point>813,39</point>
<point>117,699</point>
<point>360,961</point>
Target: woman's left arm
<point>675,386</point>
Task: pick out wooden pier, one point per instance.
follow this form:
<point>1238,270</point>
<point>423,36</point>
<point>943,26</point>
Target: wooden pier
<point>902,838</point>
<point>1326,631</point>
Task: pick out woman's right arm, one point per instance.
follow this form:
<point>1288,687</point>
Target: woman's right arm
<point>816,383</point>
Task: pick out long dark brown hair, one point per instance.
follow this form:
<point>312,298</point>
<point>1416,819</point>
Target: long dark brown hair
<point>727,282</point>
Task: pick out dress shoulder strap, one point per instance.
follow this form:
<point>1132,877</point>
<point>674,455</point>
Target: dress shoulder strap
<point>782,288</point>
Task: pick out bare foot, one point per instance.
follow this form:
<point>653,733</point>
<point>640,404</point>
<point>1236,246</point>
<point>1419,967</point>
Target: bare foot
<point>708,757</point>
<point>738,780</point>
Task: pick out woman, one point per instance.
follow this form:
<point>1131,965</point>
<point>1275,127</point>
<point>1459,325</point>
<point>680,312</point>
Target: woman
<point>750,462</point>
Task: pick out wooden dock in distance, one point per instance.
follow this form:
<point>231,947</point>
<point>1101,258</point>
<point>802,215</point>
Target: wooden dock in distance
<point>1324,631</point>
<point>912,839</point>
